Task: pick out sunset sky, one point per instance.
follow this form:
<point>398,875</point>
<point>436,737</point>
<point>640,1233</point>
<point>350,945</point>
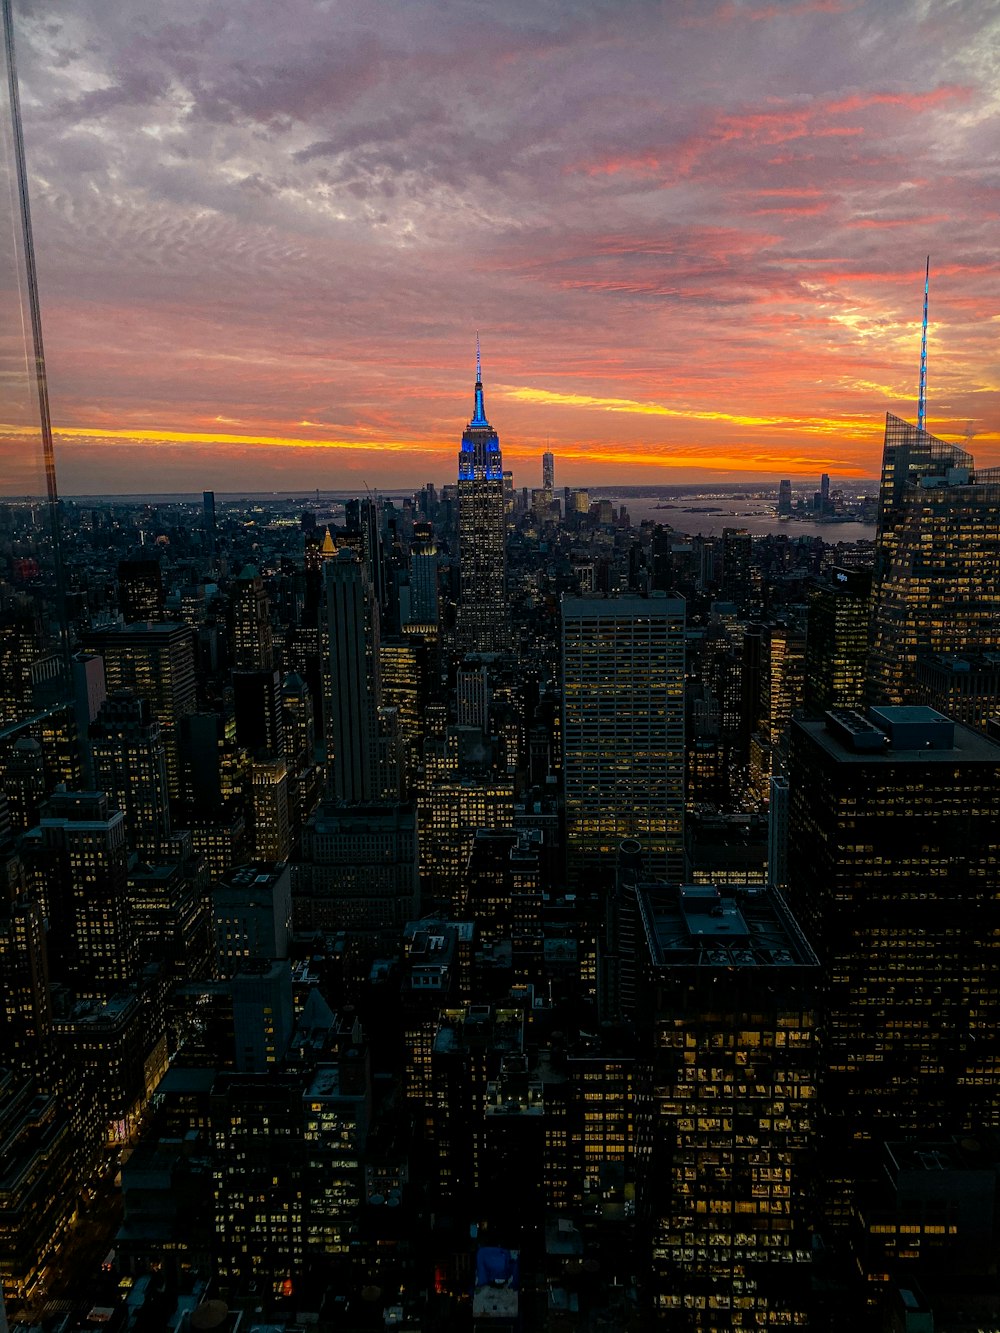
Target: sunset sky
<point>691,235</point>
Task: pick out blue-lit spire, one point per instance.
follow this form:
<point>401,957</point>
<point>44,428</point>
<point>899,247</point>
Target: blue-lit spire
<point>922,391</point>
<point>479,414</point>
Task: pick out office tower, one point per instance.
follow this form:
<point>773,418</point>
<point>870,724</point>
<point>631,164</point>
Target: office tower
<point>259,1183</point>
<point>783,679</point>
<point>38,1200</point>
<point>154,662</point>
<point>449,811</point>
<point>258,712</point>
<point>777,834</point>
<point>20,648</point>
<point>25,1000</point>
<point>358,868</point>
<point>548,471</point>
<point>89,692</point>
<point>471,1042</point>
<point>502,884</point>
<point>252,911</point>
<point>263,1015</point>
<point>337,1108</point>
<point>304,776</point>
<point>116,1051</point>
<point>80,860</point>
<point>937,569</point>
<point>299,722</point>
<point>893,839</point>
<point>424,608</point>
<point>730,993</point>
<point>473,693</point>
<point>214,768</point>
<point>784,498</point>
<point>623,733</point>
<point>359,854</point>
<point>252,643</point>
<point>270,815</point>
<point>737,567</point>
<point>140,589</point>
<point>964,687</point>
<point>371,521</point>
<point>836,655</point>
<point>170,916</point>
<point>482,535</point>
<point>208,521</point>
<point>351,696</point>
<point>130,765</point>
<point>24,783</point>
<point>405,665</point>
<point>726,849</point>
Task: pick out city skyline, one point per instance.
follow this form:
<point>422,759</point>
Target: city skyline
<point>693,241</point>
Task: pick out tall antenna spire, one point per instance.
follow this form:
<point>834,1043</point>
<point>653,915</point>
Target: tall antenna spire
<point>922,394</point>
<point>479,411</point>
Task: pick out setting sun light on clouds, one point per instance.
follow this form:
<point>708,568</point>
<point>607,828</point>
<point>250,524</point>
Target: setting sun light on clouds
<point>692,237</point>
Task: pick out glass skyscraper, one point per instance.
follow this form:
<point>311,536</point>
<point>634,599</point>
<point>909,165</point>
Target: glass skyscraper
<point>937,571</point>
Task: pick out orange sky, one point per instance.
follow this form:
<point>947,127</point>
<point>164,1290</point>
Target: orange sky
<point>691,236</point>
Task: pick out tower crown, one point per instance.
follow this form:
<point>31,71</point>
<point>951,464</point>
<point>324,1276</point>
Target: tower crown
<point>479,408</point>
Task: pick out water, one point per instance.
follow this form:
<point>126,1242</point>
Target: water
<point>746,515</point>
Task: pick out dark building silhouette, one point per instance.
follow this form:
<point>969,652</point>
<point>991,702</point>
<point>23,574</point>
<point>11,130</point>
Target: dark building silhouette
<point>893,839</point>
<point>140,589</point>
<point>730,1001</point>
<point>836,655</point>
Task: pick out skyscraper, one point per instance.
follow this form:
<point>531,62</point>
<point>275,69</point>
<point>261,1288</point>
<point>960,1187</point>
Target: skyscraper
<point>894,834</point>
<point>140,588</point>
<point>623,733</point>
<point>837,641</point>
<point>351,694</point>
<point>130,765</point>
<point>730,992</point>
<point>482,605</point>
<point>253,646</point>
<point>155,662</point>
<point>81,860</point>
<point>548,471</point>
<point>937,568</point>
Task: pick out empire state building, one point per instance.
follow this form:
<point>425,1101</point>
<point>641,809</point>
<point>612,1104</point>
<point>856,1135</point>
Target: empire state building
<point>482,607</point>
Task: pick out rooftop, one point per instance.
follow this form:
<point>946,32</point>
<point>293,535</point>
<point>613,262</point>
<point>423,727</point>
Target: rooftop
<point>701,926</point>
<point>913,735</point>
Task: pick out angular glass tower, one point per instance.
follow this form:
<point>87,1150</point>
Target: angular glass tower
<point>937,570</point>
<point>482,533</point>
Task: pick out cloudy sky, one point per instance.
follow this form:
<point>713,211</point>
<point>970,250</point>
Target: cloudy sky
<point>691,234</point>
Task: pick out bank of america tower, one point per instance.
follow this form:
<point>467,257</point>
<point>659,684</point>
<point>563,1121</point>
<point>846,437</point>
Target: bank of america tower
<point>482,532</point>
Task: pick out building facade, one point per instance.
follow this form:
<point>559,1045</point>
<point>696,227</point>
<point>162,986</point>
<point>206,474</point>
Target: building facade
<point>482,535</point>
<point>623,733</point>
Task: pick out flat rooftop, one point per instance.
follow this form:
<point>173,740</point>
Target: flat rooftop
<point>702,926</point>
<point>877,746</point>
